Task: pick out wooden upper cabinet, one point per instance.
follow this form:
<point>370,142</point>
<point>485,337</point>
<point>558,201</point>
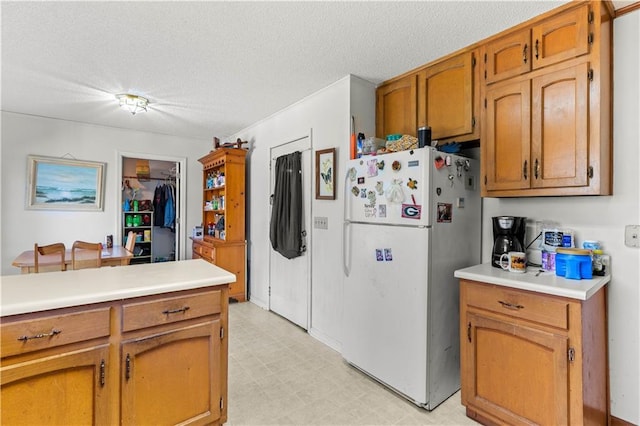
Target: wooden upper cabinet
<point>568,150</point>
<point>448,98</point>
<point>560,138</point>
<point>550,41</point>
<point>506,148</point>
<point>561,37</point>
<point>396,106</point>
<point>507,56</point>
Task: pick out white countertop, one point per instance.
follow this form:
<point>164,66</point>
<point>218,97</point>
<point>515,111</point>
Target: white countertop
<point>52,290</point>
<point>546,282</point>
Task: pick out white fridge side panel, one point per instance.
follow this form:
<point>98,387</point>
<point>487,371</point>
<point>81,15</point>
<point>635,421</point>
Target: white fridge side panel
<point>385,316</point>
<point>389,189</point>
<point>455,244</point>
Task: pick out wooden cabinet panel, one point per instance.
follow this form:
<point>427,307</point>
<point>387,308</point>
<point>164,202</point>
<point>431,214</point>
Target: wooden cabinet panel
<point>169,310</point>
<point>520,374</point>
<point>448,99</point>
<point>231,258</point>
<point>506,149</point>
<point>507,57</point>
<point>396,107</point>
<point>560,139</point>
<point>184,363</point>
<point>561,37</point>
<point>517,304</point>
<point>65,389</point>
<point>54,330</point>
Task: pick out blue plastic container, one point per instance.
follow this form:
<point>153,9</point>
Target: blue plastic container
<point>574,264</point>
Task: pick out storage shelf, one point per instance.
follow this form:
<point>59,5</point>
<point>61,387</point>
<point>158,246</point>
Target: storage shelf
<point>143,245</point>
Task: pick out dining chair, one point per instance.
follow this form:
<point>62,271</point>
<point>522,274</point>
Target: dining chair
<point>48,249</point>
<point>89,255</point>
<point>131,241</point>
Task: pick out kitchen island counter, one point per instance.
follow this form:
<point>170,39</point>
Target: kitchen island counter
<point>545,282</point>
<point>52,290</point>
<point>127,345</point>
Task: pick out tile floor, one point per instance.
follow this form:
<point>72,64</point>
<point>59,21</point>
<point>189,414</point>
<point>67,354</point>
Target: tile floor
<point>280,375</point>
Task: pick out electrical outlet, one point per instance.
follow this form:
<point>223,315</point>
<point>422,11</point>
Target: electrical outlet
<point>632,235</point>
<point>321,222</point>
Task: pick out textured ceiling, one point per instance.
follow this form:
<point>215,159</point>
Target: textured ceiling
<point>214,68</point>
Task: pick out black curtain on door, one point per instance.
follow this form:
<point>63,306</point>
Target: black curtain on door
<point>286,231</point>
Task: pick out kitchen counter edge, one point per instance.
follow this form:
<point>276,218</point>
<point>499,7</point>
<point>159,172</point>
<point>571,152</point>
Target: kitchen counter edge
<point>28,293</point>
<point>546,282</point>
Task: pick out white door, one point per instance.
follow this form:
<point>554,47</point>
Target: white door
<point>289,279</point>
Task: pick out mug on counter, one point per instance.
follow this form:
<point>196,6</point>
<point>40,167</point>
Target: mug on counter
<point>514,261</point>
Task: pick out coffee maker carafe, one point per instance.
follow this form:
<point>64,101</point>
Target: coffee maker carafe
<point>508,235</point>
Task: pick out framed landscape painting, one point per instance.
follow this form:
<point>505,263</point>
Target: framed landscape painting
<point>64,184</point>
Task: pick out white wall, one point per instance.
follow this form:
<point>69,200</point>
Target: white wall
<point>604,219</point>
<point>326,115</point>
<point>24,135</point>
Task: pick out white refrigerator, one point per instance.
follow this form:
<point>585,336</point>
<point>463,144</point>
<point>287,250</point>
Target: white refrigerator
<point>411,219</point>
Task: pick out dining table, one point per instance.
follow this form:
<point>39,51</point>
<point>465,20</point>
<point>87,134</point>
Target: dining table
<point>111,256</point>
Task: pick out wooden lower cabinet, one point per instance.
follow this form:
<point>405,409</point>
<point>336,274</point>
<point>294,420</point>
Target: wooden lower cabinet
<point>150,360</point>
<point>529,358</point>
<point>185,362</point>
<point>227,255</point>
<point>65,388</point>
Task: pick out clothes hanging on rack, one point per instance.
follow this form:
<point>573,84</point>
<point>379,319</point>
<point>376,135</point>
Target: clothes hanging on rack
<point>164,206</point>
<point>170,206</point>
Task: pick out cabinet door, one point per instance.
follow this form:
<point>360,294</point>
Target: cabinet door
<point>560,135</point>
<point>515,374</point>
<point>63,389</point>
<point>507,57</point>
<point>173,377</point>
<point>507,126</point>
<point>561,37</point>
<point>446,98</point>
<point>396,107</point>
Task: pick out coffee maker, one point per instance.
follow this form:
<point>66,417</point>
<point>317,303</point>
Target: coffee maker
<point>508,235</point>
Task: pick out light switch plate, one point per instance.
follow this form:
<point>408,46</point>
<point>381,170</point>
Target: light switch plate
<point>321,222</point>
<point>632,235</point>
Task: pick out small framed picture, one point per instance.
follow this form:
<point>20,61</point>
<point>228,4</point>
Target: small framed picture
<point>325,174</point>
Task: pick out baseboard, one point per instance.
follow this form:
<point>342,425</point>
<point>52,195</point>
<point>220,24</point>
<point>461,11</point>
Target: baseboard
<point>325,339</point>
<point>619,422</point>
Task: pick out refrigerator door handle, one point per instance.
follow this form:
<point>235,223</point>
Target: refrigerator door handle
<point>346,248</point>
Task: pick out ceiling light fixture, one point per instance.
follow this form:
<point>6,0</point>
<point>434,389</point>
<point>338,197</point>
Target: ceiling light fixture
<point>132,103</point>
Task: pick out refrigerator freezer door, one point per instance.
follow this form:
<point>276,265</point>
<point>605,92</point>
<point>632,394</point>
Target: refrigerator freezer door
<point>389,189</point>
<point>385,315</point>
